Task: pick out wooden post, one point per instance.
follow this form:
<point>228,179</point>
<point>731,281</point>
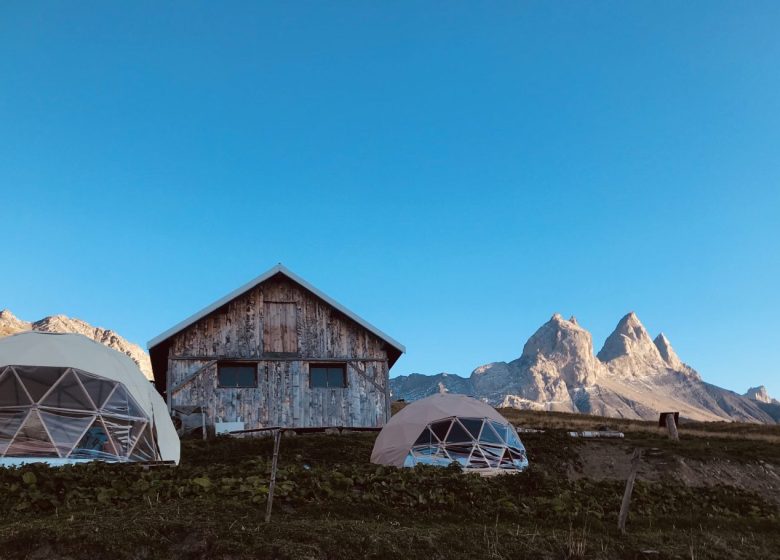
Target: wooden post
<point>635,458</point>
<point>672,426</point>
<point>277,438</point>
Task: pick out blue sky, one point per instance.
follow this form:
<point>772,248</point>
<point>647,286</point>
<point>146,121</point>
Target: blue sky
<point>453,172</point>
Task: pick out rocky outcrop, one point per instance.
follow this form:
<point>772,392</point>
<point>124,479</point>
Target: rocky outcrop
<point>633,376</point>
<point>760,394</point>
<point>9,324</point>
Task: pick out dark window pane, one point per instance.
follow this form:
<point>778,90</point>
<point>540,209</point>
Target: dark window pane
<point>32,440</point>
<point>473,425</point>
<point>336,377</point>
<point>489,435</point>
<point>10,421</point>
<point>440,428</point>
<point>500,430</point>
<point>328,376</point>
<point>98,389</point>
<point>458,434</point>
<point>11,391</point>
<point>319,376</point>
<point>425,438</point>
<point>68,393</point>
<point>237,375</point>
<point>38,380</point>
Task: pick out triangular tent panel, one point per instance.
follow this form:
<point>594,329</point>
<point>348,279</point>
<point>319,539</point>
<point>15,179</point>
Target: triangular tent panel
<point>32,440</point>
<point>65,429</point>
<point>38,380</point>
<point>68,393</point>
<point>12,392</point>
<point>10,422</point>
<point>98,389</point>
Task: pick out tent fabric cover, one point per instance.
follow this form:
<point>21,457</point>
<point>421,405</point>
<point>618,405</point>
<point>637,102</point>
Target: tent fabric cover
<point>79,352</point>
<point>400,433</point>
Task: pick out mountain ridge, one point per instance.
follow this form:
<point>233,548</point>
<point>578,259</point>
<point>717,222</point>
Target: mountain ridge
<point>632,376</point>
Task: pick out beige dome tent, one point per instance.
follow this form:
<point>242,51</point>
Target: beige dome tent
<point>446,428</point>
<point>65,399</point>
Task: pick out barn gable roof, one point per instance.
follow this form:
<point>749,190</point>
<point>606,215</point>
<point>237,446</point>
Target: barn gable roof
<point>278,269</point>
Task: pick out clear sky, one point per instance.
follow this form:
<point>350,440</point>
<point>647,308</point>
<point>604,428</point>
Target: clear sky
<point>454,172</point>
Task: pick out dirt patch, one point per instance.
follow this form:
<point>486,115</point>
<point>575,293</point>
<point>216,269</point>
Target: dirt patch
<point>603,460</point>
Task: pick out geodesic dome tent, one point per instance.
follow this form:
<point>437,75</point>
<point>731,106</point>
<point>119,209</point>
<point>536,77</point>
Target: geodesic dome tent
<point>65,398</point>
<point>446,428</point>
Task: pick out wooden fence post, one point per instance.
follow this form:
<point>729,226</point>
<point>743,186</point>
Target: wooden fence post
<point>635,458</point>
<point>672,427</point>
<point>277,438</point>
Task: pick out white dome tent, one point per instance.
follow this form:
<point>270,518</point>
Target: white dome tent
<point>66,399</point>
<point>446,428</point>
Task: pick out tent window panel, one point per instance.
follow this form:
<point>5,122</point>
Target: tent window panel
<point>233,375</point>
<point>10,421</point>
<point>458,434</point>
<point>65,428</point>
<point>38,380</point>
<point>440,429</point>
<point>68,393</point>
<point>32,440</point>
<point>489,435</point>
<point>11,391</point>
<point>426,438</point>
<point>330,376</point>
<point>98,389</point>
<point>95,444</point>
<point>473,425</point>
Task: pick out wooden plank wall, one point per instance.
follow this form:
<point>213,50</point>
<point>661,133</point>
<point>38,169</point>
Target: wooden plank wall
<point>279,316</point>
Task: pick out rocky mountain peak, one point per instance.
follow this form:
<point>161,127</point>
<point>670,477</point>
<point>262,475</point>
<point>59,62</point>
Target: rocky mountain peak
<point>667,352</point>
<point>567,346</point>
<point>760,394</point>
<point>630,338</point>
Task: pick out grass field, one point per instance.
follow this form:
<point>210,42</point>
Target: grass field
<point>708,496</point>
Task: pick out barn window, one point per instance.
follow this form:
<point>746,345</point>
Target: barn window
<point>330,376</point>
<point>231,374</point>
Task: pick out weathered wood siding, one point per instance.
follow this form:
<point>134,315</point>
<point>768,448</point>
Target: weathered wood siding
<point>282,328</point>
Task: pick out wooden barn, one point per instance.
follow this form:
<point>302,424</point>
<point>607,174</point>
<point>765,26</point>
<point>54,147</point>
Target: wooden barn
<point>277,352</point>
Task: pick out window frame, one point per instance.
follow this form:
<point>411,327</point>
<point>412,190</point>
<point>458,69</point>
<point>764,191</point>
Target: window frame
<point>329,365</point>
<point>235,363</point>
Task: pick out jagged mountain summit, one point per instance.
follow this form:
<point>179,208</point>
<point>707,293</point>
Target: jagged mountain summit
<point>632,376</point>
<point>760,394</point>
<point>10,324</point>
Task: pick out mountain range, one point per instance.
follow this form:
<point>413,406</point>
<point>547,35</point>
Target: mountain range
<point>632,376</point>
<point>9,324</point>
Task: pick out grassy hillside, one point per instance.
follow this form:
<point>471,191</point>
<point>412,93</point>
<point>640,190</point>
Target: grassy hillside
<point>710,496</point>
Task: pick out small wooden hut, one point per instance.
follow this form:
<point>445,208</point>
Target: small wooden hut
<point>277,352</point>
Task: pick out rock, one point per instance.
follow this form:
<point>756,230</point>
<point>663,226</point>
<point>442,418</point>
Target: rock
<point>760,394</point>
<point>667,352</point>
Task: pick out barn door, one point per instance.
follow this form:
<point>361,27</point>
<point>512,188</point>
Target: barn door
<point>280,327</point>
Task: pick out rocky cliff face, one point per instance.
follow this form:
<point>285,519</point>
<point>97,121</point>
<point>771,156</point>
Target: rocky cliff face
<point>9,324</point>
<point>632,376</point>
<point>760,394</point>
